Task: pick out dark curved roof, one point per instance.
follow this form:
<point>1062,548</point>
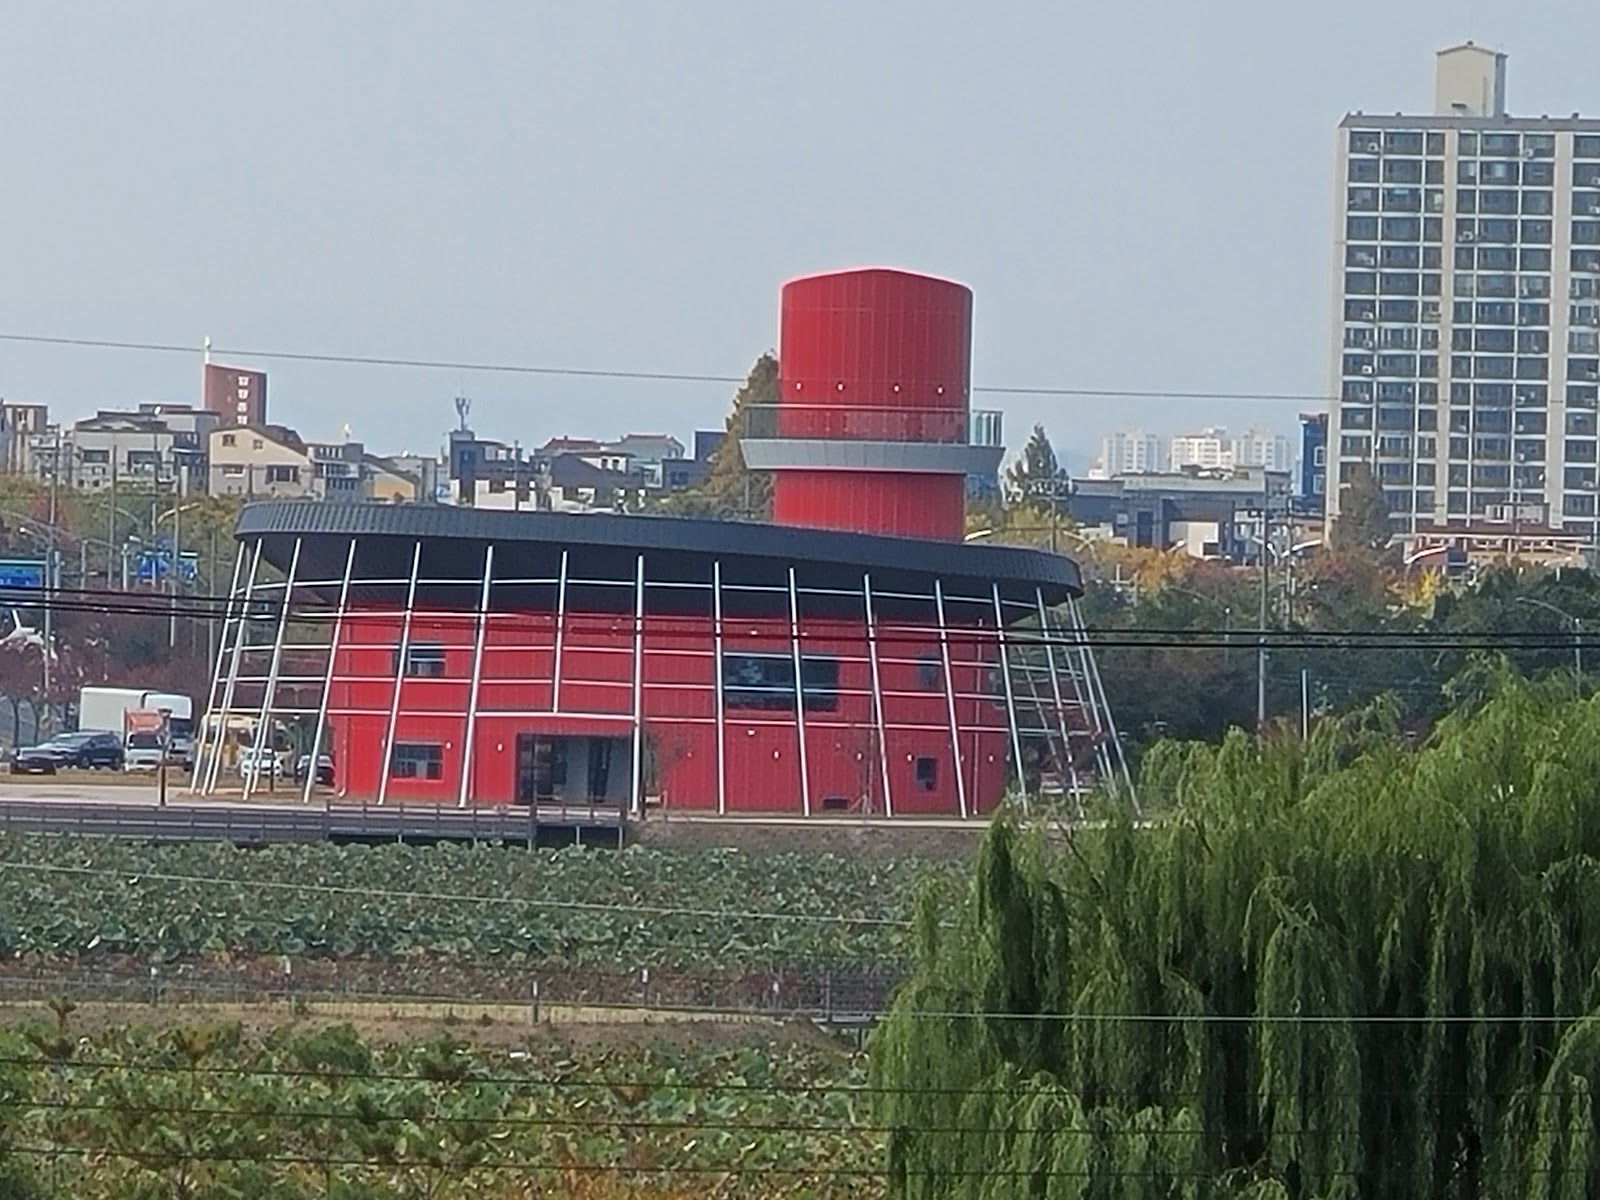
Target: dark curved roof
<point>674,547</point>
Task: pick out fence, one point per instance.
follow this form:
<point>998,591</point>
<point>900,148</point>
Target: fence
<point>844,995</point>
<point>259,823</point>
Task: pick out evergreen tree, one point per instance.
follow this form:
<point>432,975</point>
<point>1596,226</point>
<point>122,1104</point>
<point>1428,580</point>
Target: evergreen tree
<point>1335,968</point>
<point>1363,522</point>
<point>1037,478</point>
<point>731,490</point>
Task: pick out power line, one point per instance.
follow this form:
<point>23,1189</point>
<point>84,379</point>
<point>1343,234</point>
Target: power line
<point>479,367</point>
<point>267,609</point>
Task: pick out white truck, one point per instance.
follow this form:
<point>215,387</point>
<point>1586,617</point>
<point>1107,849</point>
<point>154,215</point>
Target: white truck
<point>107,709</point>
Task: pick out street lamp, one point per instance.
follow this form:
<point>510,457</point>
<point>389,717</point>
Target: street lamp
<point>1087,543</point>
<point>1577,633</point>
<point>1226,610</point>
<point>173,578</point>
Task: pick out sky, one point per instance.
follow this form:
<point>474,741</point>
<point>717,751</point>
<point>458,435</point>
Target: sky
<point>1140,194</point>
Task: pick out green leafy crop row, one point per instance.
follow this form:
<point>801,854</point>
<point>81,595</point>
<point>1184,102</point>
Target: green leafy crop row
<point>68,897</point>
<point>191,1112</point>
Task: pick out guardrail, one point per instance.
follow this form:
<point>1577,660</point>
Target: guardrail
<point>259,824</point>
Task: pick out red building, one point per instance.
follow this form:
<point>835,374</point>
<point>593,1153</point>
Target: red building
<point>854,655</point>
<point>236,395</point>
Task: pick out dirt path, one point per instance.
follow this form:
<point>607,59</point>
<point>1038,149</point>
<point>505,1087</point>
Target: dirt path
<point>487,1024</point>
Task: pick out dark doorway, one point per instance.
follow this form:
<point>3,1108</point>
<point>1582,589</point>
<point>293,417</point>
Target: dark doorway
<point>564,770</point>
<point>599,781</point>
<point>541,768</point>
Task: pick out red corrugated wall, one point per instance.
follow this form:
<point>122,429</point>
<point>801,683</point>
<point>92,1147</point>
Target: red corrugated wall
<point>516,693</point>
<point>874,354</point>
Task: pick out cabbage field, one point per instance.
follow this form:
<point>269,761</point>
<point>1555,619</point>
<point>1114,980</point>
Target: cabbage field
<point>199,1111</point>
<point>450,919</point>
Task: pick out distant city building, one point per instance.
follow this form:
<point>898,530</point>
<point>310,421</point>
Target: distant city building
<point>19,424</point>
<point>707,442</point>
<point>237,395</point>
<point>259,460</point>
<point>1209,450</point>
<point>272,461</point>
<point>1262,447</point>
<point>1206,514</point>
<point>164,444</point>
<point>427,470</point>
<point>1466,344</point>
<point>570,473</point>
<point>1313,457</point>
<point>484,473</point>
<point>394,482</point>
<point>160,445</point>
<point>1128,451</point>
<point>647,455</point>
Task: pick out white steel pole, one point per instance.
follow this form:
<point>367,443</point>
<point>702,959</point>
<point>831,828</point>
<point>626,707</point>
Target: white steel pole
<point>950,697</point>
<point>327,677</point>
<point>264,728</point>
<point>197,770</point>
<point>481,634</point>
<point>1055,690</point>
<point>1003,646</point>
<point>637,797</point>
<point>399,672</point>
<point>878,718</point>
<point>717,686</point>
<point>799,694</point>
<point>241,630</point>
<point>560,639</point>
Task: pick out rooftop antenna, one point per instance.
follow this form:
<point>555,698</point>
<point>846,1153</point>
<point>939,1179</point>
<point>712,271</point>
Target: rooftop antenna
<point>463,407</point>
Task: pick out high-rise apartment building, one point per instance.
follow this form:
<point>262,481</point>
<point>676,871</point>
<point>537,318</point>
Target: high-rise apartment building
<point>1209,449</point>
<point>1127,452</point>
<point>1466,355</point>
<point>1262,447</point>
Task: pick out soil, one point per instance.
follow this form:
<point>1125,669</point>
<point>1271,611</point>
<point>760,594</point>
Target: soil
<point>438,980</point>
<point>883,839</point>
<point>500,1026</point>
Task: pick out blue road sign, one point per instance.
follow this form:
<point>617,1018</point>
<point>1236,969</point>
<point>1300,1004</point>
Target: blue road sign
<point>18,574</point>
<point>156,564</point>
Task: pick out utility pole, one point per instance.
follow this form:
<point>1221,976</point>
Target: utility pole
<point>1577,651</point>
<point>174,580</point>
<point>211,607</point>
<point>1261,645</point>
<point>111,517</point>
<point>50,578</point>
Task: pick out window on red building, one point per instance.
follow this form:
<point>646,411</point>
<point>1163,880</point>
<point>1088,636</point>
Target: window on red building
<point>415,760</point>
<point>766,681</point>
<point>424,659</point>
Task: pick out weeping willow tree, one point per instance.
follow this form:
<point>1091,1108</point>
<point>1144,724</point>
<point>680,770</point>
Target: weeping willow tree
<point>1344,968</point>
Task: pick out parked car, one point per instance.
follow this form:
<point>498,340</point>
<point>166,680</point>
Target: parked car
<point>84,750</point>
<point>259,761</point>
<point>324,768</point>
<point>143,752</point>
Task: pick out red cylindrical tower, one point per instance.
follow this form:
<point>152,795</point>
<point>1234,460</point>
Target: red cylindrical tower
<point>872,428</point>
